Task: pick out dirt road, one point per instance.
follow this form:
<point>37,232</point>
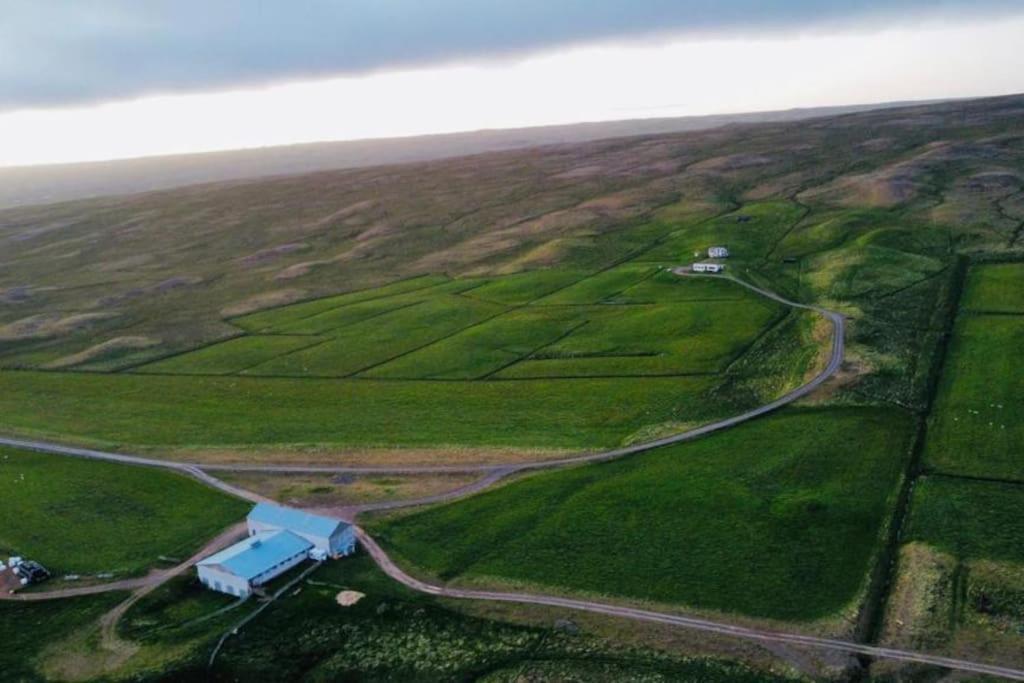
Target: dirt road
<point>142,584</point>
<point>391,569</point>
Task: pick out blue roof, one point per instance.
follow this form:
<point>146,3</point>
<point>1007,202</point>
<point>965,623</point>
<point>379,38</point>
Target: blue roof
<point>257,554</point>
<point>294,520</point>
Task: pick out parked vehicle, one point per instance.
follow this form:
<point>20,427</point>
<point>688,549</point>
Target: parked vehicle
<point>32,572</point>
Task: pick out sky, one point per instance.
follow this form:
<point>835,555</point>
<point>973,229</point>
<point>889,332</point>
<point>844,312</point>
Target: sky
<point>121,78</point>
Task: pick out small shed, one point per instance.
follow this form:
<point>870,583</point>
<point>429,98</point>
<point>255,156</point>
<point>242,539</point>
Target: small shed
<point>331,537</point>
<point>238,569</point>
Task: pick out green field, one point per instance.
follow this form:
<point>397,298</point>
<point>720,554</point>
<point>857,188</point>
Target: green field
<point>486,348</point>
<point>960,585</point>
<point>280,317</point>
<point>995,288</point>
<point>654,340</point>
<point>505,327</point>
<point>602,286</point>
<point>664,287</point>
<point>363,345</point>
<point>742,521</point>
<point>233,355</point>
<point>522,288</point>
<point>975,428</point>
<point>83,516</point>
<point>972,520</point>
<point>153,410</point>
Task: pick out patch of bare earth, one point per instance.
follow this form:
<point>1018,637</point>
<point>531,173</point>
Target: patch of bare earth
<point>50,325</point>
<point>731,162</point>
<point>272,253</point>
<point>383,457</point>
<point>339,490</point>
<point>349,598</point>
<point>258,302</point>
<point>100,351</point>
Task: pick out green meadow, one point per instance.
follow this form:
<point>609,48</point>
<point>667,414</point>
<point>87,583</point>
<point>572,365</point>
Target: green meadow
<point>660,339</point>
<point>975,427</point>
<point>778,518</point>
<point>190,410</point>
<point>995,288</point>
<point>972,520</point>
<point>232,356</point>
<point>83,516</point>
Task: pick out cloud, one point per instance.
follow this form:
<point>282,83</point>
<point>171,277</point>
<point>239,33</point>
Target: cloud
<point>61,52</point>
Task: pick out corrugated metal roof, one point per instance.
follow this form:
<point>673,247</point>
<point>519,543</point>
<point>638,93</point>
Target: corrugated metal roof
<point>296,520</point>
<point>257,554</point>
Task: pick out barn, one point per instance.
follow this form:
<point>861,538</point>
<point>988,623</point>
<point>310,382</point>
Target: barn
<point>330,537</point>
<point>238,569</point>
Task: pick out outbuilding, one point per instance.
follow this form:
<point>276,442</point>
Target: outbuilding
<point>240,568</point>
<point>708,267</point>
<point>329,537</point>
<point>718,252</point>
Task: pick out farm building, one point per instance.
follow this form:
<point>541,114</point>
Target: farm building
<point>238,569</point>
<point>330,537</point>
<point>708,267</point>
<point>718,252</point>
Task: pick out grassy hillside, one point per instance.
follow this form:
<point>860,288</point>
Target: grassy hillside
<point>741,521</point>
<point>86,517</point>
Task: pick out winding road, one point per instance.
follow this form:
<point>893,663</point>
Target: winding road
<point>492,474</point>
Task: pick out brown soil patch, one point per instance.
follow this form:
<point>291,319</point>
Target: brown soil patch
<point>340,490</point>
<point>376,230</point>
<point>349,598</point>
<point>50,325</point>
<point>453,455</point>
<point>258,302</point>
<point>580,172</point>
<point>731,162</point>
<point>99,351</point>
<point>264,255</point>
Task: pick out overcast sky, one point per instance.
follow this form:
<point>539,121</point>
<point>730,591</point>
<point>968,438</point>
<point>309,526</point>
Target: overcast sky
<point>112,78</point>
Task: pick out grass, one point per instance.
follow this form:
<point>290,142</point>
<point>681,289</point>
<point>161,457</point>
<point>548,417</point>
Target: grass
<point>485,348</point>
<point>750,233</point>
<point>277,318</point>
<point>166,410</point>
<point>667,287</point>
<point>873,264</point>
<point>83,517</point>
<point>742,521</point>
<point>525,287</point>
<point>361,346</point>
<point>601,286</point>
<point>959,589</point>
<point>658,339</point>
<point>231,356</point>
<point>995,288</point>
<point>969,519</point>
<point>390,634</point>
<point>975,428</point>
<point>27,629</point>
